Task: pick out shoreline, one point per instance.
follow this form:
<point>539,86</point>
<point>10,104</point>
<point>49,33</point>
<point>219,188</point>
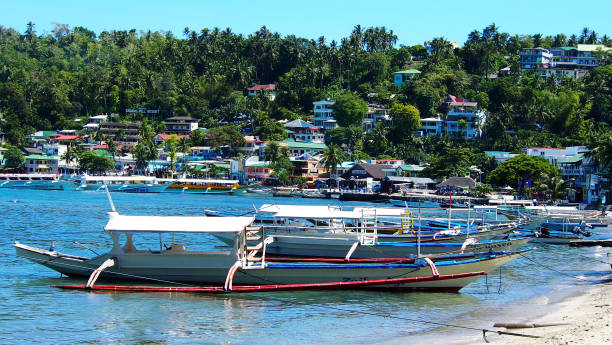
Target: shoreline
<point>585,310</point>
<point>586,316</point>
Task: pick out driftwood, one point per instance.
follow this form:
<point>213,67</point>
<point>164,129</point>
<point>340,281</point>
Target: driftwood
<point>527,325</point>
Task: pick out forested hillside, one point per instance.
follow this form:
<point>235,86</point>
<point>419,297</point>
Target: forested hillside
<point>47,81</point>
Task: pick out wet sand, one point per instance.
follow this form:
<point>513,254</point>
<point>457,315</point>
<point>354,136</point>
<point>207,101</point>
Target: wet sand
<point>588,317</point>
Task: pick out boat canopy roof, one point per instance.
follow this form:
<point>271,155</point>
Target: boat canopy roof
<point>199,180</point>
<point>132,224</point>
<point>329,212</point>
<point>309,211</point>
<point>119,178</point>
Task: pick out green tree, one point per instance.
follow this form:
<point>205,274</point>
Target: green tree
<point>600,145</point>
<point>141,156</point>
<point>279,162</point>
<point>111,146</point>
<point>92,162</point>
<point>271,130</point>
<point>14,158</point>
<point>226,135</point>
<point>406,120</point>
<point>349,110</point>
<point>522,170</point>
<point>332,157</point>
<point>451,162</point>
<point>197,137</point>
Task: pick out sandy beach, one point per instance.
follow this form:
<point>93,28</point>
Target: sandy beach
<point>587,318</point>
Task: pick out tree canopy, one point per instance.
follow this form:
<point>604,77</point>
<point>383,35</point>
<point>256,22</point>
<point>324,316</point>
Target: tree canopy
<point>522,171</point>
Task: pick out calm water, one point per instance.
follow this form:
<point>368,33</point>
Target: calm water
<point>33,312</point>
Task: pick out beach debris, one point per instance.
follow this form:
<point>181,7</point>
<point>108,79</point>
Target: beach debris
<point>527,325</point>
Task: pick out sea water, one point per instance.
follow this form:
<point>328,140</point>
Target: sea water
<point>32,311</point>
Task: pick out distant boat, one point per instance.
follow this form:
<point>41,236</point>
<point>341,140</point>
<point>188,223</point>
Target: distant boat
<point>259,190</point>
<point>126,184</point>
<point>202,186</point>
<point>34,181</point>
<point>412,203</point>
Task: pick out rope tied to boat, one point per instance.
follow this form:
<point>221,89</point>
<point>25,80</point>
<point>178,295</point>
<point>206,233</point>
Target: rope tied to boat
<point>484,334</point>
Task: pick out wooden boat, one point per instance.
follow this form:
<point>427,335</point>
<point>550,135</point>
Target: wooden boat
<point>412,203</point>
<point>126,184</point>
<point>34,181</point>
<point>245,264</point>
<point>545,235</point>
<point>259,190</point>
<point>203,186</point>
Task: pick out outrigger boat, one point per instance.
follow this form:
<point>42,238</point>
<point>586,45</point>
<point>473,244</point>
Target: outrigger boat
<point>245,267</point>
<point>34,181</point>
<point>356,233</point>
<point>126,184</point>
<point>202,186</point>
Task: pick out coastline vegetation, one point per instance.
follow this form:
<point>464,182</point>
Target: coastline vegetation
<point>57,80</point>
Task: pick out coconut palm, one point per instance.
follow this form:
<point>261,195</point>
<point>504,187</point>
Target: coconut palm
<point>332,157</point>
<point>601,151</point>
<point>111,146</point>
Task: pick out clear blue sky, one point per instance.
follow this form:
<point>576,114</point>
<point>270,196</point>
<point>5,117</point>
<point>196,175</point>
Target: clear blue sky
<point>412,21</point>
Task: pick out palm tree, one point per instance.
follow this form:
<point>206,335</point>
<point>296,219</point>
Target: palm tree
<point>601,151</point>
<point>183,145</point>
<point>111,146</point>
<point>140,155</point>
<point>332,157</point>
<point>71,155</point>
<point>272,152</point>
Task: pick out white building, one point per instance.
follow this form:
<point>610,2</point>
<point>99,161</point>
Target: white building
<point>303,131</point>
<point>95,121</point>
<point>181,125</point>
<point>430,126</point>
<point>269,90</point>
<point>376,114</point>
<point>535,58</point>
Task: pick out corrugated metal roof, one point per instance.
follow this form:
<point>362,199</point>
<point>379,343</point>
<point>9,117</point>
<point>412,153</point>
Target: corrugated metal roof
<point>573,159</point>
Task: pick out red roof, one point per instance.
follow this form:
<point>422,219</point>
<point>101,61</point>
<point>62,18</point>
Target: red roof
<point>63,137</point>
<point>270,87</point>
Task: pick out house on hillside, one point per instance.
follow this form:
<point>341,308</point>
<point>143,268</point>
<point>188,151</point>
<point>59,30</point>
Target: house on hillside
<point>376,114</point>
<point>181,124</point>
<point>268,90</point>
<point>561,62</point>
<point>324,114</point>
<point>305,151</point>
<point>94,122</point>
<point>402,77</point>
<point>125,134</point>
<point>161,138</point>
<point>462,117</point>
<point>302,131</point>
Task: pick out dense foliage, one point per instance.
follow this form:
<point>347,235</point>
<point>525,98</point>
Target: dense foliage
<point>57,80</point>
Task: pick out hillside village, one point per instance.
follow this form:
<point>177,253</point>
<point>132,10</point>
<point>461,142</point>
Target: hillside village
<point>415,132</point>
